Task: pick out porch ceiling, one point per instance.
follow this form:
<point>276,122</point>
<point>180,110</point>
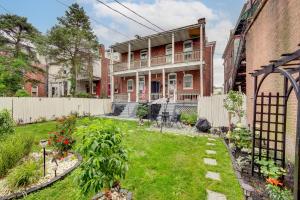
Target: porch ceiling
<point>181,34</point>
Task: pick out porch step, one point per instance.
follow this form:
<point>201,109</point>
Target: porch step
<point>129,110</point>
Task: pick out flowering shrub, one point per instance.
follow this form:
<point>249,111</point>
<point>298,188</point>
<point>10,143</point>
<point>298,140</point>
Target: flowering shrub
<point>62,139</point>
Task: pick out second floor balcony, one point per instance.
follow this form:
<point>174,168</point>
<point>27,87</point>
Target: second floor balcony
<point>183,57</point>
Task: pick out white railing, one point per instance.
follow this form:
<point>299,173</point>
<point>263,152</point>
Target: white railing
<point>32,109</point>
<point>182,57</point>
<point>187,97</point>
<point>121,97</point>
<point>155,96</point>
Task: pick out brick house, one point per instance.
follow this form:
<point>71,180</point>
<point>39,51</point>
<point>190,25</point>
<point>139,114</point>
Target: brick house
<point>177,64</point>
<point>36,82</point>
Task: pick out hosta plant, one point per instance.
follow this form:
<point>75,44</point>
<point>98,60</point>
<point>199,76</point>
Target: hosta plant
<point>270,169</point>
<point>241,136</point>
<point>278,193</point>
<point>105,157</point>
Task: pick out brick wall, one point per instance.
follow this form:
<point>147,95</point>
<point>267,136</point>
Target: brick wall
<point>36,79</point>
<point>275,31</point>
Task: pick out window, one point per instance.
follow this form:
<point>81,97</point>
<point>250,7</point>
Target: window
<point>144,54</point>
<point>94,91</point>
<point>141,83</point>
<point>188,46</point>
<point>169,53</point>
<point>34,90</point>
<point>129,85</point>
<point>131,57</point>
<point>188,81</point>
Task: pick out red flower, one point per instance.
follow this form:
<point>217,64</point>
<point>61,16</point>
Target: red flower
<point>66,142</point>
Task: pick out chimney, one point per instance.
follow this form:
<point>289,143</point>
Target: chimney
<point>102,51</point>
<point>201,21</point>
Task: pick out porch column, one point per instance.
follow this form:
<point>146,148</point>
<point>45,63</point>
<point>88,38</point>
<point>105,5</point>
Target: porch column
<point>137,87</point>
<point>129,57</point>
<point>201,60</point>
<point>149,52</point>
<point>164,82</point>
<point>149,85</point>
<point>112,86</point>
<point>173,48</point>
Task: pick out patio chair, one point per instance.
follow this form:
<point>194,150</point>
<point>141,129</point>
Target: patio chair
<point>176,119</point>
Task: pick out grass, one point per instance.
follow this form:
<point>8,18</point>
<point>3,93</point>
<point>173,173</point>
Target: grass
<point>162,167</point>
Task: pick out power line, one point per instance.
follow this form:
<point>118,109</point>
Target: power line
<point>139,15</point>
<point>6,10</point>
<point>107,27</point>
<point>127,16</point>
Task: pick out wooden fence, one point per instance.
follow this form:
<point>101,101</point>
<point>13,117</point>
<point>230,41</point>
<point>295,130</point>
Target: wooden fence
<point>212,108</point>
<point>32,109</point>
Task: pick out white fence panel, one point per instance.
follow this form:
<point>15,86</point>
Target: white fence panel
<point>31,109</point>
<point>212,108</point>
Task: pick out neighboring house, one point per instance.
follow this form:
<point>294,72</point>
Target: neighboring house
<point>59,83</point>
<point>177,64</point>
<point>235,53</point>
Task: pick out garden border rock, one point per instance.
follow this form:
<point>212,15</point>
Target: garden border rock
<point>101,194</point>
<point>18,195</point>
<point>244,186</point>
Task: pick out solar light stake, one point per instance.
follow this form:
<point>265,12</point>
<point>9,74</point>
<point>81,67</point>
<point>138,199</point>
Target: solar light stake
<point>43,143</point>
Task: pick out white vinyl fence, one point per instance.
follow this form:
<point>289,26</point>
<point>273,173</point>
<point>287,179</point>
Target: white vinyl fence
<point>212,108</point>
<point>31,109</point>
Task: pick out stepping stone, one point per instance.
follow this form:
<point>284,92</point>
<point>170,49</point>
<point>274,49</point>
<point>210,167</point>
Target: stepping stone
<point>210,161</point>
<point>213,175</point>
<point>215,195</point>
<point>210,144</point>
<point>210,152</point>
<point>211,139</point>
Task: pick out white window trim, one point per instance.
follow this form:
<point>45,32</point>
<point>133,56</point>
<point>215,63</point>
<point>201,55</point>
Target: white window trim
<point>185,42</point>
<point>144,80</point>
<point>128,84</point>
<point>143,51</point>
<point>192,85</point>
<point>94,92</point>
<point>168,46</point>
<point>37,90</point>
<point>172,79</point>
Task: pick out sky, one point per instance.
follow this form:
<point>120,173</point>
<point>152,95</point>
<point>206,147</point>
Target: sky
<point>221,16</point>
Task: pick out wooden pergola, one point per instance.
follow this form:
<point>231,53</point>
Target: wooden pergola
<point>269,135</point>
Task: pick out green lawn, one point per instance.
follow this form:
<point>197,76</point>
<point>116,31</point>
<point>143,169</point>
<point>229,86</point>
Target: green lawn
<point>162,166</point>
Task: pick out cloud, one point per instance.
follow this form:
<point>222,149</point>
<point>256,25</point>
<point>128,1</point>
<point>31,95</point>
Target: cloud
<point>168,14</point>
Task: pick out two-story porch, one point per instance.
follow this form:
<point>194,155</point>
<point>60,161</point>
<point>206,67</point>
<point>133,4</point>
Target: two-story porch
<point>169,64</point>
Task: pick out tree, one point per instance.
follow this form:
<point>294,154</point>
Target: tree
<point>72,42</point>
<point>18,39</point>
<point>234,105</point>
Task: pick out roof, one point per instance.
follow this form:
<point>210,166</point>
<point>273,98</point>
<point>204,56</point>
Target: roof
<point>181,34</point>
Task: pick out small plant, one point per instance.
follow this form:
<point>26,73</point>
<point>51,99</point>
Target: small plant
<point>22,93</point>
<point>278,193</point>
<point>41,119</point>
<point>243,162</point>
<point>12,149</point>
<point>241,136</point>
<point>234,105</point>
<point>189,118</point>
<point>105,158</point>
<point>62,139</point>
<point>269,169</point>
<point>7,123</point>
<point>142,111</point>
<point>25,174</point>
<point>83,95</point>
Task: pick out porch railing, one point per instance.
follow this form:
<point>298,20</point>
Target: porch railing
<point>121,97</point>
<point>155,96</point>
<point>182,57</point>
<point>187,97</point>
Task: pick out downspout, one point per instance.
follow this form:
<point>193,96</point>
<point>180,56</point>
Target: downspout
<point>201,60</point>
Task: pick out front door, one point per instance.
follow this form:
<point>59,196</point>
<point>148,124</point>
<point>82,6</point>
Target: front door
<point>155,90</point>
<point>172,86</point>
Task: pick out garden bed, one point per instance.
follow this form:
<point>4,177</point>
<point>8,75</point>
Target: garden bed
<point>65,166</point>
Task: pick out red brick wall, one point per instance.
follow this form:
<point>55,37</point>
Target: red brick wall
<point>275,31</point>
<point>38,79</point>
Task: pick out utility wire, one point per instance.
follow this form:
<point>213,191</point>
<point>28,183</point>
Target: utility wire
<point>107,27</point>
<point>127,16</point>
<point>139,15</point>
<point>1,6</point>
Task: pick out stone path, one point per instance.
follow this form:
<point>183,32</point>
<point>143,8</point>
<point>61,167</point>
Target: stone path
<point>215,176</point>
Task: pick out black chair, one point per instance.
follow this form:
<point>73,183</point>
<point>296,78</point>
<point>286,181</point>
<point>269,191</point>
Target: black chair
<point>176,119</point>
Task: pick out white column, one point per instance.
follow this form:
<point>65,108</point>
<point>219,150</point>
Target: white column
<point>164,82</point>
<point>201,60</point>
<point>129,57</point>
<point>112,87</point>
<point>173,48</point>
<point>137,87</point>
<point>149,52</point>
<point>149,85</point>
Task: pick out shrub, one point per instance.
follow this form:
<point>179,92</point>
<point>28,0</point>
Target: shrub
<point>22,93</point>
<point>6,123</point>
<point>234,104</point>
<point>189,118</point>
<point>62,139</point>
<point>25,174</point>
<point>12,150</point>
<point>241,137</point>
<point>269,169</point>
<point>105,158</point>
<point>83,95</point>
<point>142,111</point>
